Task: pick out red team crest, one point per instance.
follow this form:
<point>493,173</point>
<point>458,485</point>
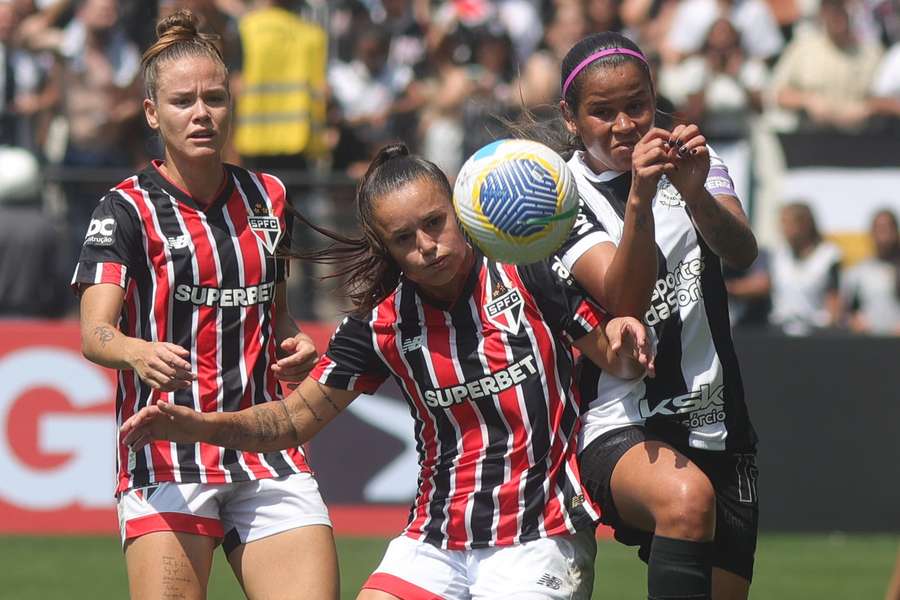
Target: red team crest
<point>504,307</point>
<point>265,227</point>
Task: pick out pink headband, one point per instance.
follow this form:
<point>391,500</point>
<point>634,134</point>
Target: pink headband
<point>595,56</point>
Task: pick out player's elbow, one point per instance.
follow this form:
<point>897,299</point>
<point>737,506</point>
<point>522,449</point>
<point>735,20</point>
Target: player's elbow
<point>744,256</point>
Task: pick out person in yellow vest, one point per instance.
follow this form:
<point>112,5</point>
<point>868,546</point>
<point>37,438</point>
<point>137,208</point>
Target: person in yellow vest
<point>281,108</point>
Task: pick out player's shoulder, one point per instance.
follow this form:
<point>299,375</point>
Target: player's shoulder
<point>259,182</point>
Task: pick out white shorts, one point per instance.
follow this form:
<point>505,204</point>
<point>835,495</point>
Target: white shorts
<point>236,513</point>
<point>558,567</point>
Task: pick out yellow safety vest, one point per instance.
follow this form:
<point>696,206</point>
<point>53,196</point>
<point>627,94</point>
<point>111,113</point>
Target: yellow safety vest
<point>281,109</point>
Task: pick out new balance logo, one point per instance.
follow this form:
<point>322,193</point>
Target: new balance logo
<point>177,242</point>
<point>552,582</point>
<point>411,344</point>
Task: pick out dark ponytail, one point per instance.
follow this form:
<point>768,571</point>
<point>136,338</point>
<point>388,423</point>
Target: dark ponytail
<point>368,269</point>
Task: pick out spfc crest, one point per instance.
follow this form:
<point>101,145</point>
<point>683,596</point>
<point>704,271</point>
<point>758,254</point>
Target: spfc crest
<point>266,227</point>
<point>504,307</point>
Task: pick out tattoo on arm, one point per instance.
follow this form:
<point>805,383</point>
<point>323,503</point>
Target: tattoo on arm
<point>723,231</point>
<point>267,426</point>
<point>287,416</point>
<point>328,399</point>
<point>104,334</point>
<point>309,406</point>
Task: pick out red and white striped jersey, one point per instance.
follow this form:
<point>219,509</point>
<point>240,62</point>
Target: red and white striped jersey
<point>488,381</point>
<point>202,278</point>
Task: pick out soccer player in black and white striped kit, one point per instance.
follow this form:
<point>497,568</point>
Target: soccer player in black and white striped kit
<point>671,460</point>
<point>482,353</point>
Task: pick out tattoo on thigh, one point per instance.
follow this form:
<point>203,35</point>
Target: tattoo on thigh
<point>175,579</point>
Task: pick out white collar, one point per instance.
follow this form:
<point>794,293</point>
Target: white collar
<point>580,167</point>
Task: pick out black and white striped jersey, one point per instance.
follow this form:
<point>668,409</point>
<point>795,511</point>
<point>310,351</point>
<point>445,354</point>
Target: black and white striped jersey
<point>697,395</point>
<point>489,385</point>
<point>203,278</point>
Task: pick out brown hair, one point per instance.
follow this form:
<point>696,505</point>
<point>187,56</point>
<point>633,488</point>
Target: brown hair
<point>177,37</point>
<point>368,268</point>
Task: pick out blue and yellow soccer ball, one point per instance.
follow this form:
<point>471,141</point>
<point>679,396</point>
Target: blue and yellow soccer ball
<point>517,200</point>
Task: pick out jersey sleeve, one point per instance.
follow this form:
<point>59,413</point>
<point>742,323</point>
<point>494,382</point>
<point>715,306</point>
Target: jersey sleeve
<point>566,307</point>
<point>351,361</point>
<point>718,181</point>
<point>587,232</point>
<point>110,245</point>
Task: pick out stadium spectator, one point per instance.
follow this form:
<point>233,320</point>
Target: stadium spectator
<point>661,466</point>
<point>100,104</point>
<point>186,258</point>
<point>366,92</point>
<point>871,289</point>
<point>27,88</point>
<point>823,77</point>
<point>33,257</point>
<point>760,36</point>
<point>477,528</point>
<point>805,275</point>
<point>281,107</point>
<point>885,92</point>
<point>749,293</point>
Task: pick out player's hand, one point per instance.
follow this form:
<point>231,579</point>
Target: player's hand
<point>163,421</point>
<point>687,148</point>
<point>162,366</point>
<point>628,336</point>
<point>650,160</point>
<point>299,358</point>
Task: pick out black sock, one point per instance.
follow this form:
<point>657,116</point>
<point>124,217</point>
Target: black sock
<point>679,570</point>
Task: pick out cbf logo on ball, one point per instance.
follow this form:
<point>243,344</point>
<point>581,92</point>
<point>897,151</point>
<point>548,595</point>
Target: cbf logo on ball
<point>517,200</point>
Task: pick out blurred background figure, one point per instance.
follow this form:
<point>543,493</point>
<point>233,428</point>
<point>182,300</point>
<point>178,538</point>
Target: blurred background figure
<point>281,101</point>
<point>805,275</point>
<point>871,288</point>
<point>749,293</point>
<point>824,76</point>
<point>27,89</point>
<point>885,92</point>
<point>280,114</point>
<point>33,261</point>
<point>100,106</point>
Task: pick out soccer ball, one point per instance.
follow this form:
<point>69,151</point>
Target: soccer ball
<point>517,200</point>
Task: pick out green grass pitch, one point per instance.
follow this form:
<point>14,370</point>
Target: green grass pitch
<point>789,567</point>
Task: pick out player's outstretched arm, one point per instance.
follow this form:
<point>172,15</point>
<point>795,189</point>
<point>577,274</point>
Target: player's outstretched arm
<point>623,348</point>
<point>267,427</point>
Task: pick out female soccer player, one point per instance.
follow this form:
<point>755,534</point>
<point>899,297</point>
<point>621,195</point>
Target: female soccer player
<point>481,351</point>
<point>671,460</point>
<point>183,294</point>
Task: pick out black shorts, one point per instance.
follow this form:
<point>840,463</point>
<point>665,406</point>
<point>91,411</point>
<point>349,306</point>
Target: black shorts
<point>732,474</point>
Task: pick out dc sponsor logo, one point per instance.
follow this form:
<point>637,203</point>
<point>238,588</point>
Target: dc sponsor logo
<point>411,344</point>
<point>177,242</point>
<point>667,195</point>
<point>101,232</point>
<point>551,581</point>
<point>504,309</point>
<point>267,230</point>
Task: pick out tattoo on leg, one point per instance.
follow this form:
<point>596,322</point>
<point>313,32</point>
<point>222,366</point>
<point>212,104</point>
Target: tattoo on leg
<point>328,399</point>
<point>309,406</point>
<point>104,334</point>
<point>174,578</point>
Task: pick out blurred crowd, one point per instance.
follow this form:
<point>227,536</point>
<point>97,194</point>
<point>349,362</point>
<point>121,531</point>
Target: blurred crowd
<point>319,86</point>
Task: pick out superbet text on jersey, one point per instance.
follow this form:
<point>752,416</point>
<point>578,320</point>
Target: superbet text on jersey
<point>203,278</point>
<point>488,383</point>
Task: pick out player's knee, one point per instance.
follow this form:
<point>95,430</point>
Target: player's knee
<point>689,510</point>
